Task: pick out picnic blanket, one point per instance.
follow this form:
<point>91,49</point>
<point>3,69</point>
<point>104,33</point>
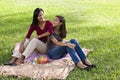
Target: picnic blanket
<point>55,69</point>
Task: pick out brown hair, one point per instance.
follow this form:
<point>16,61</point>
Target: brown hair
<point>63,30</point>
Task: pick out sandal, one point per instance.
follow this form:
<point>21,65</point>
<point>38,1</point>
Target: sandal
<point>10,64</point>
<point>13,64</point>
<point>86,68</point>
<point>92,65</point>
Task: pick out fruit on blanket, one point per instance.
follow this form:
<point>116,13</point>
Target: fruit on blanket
<point>43,60</point>
<point>36,60</point>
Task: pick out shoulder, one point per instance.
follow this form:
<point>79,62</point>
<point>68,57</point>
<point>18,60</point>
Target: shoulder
<point>49,22</point>
<point>33,26</point>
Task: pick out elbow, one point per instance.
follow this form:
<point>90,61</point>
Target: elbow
<point>51,32</point>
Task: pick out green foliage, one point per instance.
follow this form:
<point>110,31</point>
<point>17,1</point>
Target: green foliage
<point>94,23</point>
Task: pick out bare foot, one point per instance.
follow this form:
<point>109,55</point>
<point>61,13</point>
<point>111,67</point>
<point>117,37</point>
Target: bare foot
<point>13,60</point>
<point>20,60</point>
<point>87,62</point>
<point>81,65</point>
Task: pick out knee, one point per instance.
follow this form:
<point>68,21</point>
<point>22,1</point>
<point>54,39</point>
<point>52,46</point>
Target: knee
<point>51,55</point>
<point>73,40</point>
<point>34,40</point>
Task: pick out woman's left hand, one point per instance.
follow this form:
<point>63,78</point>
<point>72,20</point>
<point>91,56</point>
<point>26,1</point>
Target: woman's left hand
<point>70,45</point>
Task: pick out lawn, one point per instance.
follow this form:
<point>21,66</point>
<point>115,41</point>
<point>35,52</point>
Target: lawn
<point>94,23</point>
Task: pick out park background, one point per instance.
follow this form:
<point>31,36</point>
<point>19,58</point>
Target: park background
<point>94,23</point>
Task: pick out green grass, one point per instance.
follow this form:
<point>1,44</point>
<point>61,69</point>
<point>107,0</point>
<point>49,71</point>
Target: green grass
<point>94,23</point>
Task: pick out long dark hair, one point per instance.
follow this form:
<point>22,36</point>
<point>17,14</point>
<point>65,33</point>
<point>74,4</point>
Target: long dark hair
<point>35,15</point>
<point>63,30</point>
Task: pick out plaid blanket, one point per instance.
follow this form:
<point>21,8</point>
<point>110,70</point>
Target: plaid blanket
<point>55,69</point>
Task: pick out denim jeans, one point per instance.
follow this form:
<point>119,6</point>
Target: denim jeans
<point>61,51</point>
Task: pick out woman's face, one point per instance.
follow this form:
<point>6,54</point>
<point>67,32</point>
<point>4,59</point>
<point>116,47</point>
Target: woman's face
<point>56,22</point>
<point>40,16</point>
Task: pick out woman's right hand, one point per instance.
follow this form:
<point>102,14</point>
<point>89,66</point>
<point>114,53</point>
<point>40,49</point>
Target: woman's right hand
<point>21,49</point>
<point>70,45</point>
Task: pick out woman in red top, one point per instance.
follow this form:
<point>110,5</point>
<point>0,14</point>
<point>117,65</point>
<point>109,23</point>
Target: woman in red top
<point>43,29</point>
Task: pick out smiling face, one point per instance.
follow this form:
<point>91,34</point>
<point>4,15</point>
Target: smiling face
<point>40,16</point>
<point>60,25</point>
<point>56,22</point>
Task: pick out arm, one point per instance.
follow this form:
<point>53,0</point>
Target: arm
<point>21,48</point>
<point>30,31</point>
<point>49,31</point>
<point>56,42</point>
<point>43,35</point>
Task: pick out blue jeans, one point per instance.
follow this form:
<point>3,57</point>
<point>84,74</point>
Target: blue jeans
<point>61,51</point>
